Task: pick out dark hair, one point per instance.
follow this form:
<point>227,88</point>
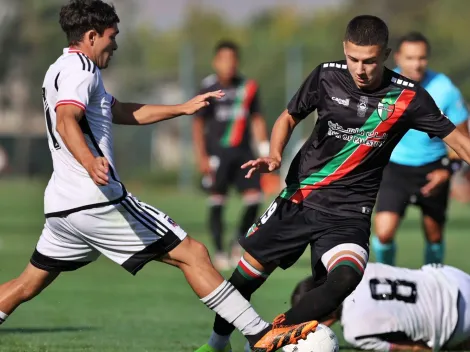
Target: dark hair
<point>80,16</point>
<point>367,30</point>
<point>227,44</point>
<point>414,37</point>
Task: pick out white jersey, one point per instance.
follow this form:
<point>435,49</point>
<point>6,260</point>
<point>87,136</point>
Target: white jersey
<point>75,79</point>
<point>422,304</point>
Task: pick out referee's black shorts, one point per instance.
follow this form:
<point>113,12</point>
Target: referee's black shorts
<point>401,186</point>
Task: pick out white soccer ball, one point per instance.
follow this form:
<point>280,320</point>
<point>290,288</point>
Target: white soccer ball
<point>322,340</point>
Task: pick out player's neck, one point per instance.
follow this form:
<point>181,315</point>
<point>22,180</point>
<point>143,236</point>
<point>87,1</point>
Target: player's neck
<point>84,50</point>
<point>227,82</point>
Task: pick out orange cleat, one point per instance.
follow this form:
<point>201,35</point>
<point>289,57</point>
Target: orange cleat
<point>280,335</point>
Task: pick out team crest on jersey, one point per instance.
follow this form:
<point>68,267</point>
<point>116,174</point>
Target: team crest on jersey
<point>385,110</point>
<point>171,221</point>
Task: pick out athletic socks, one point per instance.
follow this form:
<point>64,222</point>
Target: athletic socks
<point>215,225</point>
<point>384,252</point>
<point>3,317</point>
<point>434,253</point>
<point>227,302</point>
<point>318,303</point>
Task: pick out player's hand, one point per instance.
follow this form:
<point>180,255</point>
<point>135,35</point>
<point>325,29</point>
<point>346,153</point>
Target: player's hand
<point>200,101</point>
<point>435,178</point>
<point>205,166</point>
<point>262,165</point>
<point>98,169</point>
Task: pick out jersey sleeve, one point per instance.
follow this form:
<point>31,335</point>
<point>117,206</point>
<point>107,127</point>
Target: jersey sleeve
<point>427,117</point>
<point>455,107</point>
<point>75,87</point>
<point>305,101</point>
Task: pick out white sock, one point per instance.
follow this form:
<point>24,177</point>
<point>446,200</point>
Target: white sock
<point>218,342</point>
<point>226,301</point>
<point>3,317</point>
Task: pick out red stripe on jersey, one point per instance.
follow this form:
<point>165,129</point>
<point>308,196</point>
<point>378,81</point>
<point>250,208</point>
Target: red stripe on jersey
<point>361,152</point>
<point>239,126</point>
<point>70,102</point>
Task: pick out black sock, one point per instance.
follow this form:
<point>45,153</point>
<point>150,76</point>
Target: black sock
<point>246,280</point>
<point>216,226</point>
<point>326,298</point>
<point>248,218</point>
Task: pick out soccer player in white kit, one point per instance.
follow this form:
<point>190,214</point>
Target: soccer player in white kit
<point>87,208</point>
<point>404,309</point>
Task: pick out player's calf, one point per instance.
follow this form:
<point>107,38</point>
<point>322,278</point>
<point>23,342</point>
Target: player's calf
<point>216,293</point>
<point>247,278</point>
<point>23,288</point>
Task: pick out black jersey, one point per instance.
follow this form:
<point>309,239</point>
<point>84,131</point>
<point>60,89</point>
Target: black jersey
<point>226,120</point>
<point>339,168</point>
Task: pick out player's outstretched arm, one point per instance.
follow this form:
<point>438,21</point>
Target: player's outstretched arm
<point>459,143</point>
<point>280,135</point>
<point>143,114</point>
<point>68,117</point>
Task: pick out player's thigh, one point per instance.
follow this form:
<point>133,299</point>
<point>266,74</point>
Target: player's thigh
<point>242,183</point>
<point>344,242</point>
<point>435,206</point>
<point>61,248</point>
<point>279,236</point>
<point>395,191</point>
<point>222,172</point>
<point>130,233</point>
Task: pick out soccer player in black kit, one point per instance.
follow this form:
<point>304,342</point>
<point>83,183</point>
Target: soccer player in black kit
<point>222,134</point>
<point>363,110</point>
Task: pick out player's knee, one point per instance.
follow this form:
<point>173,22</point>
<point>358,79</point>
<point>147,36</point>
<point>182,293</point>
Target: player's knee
<point>385,236</point>
<point>197,253</point>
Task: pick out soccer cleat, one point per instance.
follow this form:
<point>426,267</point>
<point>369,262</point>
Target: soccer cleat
<point>207,348</point>
<point>281,335</point>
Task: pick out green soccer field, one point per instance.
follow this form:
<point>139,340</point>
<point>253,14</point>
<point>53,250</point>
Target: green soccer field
<point>103,308</point>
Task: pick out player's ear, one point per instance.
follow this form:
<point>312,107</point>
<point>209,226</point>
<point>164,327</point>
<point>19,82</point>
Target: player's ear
<point>344,48</point>
<point>91,36</point>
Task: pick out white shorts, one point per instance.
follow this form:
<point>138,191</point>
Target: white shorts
<point>130,233</point>
<point>462,329</point>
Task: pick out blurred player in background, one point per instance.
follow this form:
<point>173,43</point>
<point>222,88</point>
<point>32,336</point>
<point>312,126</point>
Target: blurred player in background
<point>222,135</point>
<point>403,309</point>
<point>420,166</point>
<point>87,208</point>
<point>364,109</point>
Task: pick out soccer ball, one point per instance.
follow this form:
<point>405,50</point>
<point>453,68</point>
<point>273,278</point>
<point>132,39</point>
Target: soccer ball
<point>322,340</point>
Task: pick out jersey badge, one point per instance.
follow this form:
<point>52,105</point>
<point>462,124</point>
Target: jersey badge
<point>385,110</point>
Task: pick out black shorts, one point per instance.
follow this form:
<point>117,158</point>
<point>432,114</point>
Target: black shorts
<point>281,235</point>
<point>228,172</point>
<point>401,186</point>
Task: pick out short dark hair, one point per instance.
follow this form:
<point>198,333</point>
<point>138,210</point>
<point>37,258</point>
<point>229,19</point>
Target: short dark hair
<point>413,37</point>
<point>80,16</point>
<point>367,30</point>
<point>227,44</point>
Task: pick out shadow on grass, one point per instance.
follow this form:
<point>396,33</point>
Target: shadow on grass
<point>44,330</point>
